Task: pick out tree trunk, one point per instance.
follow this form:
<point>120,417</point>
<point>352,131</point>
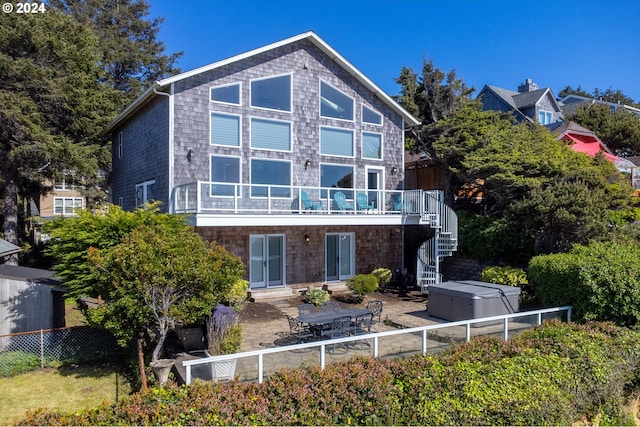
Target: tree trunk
<point>143,375</point>
<point>10,211</point>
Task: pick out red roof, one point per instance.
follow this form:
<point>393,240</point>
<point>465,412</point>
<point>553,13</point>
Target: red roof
<point>590,145</point>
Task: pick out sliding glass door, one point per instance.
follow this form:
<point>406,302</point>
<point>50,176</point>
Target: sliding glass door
<point>267,268</point>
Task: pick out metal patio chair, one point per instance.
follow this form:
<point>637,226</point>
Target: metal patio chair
<point>376,308</point>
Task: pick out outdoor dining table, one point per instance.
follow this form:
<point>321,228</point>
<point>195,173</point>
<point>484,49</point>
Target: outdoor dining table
<point>317,320</point>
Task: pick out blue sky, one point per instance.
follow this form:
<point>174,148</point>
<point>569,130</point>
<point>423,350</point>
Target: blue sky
<point>587,43</point>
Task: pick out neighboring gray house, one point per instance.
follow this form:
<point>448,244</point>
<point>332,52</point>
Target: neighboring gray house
<point>7,249</point>
<point>259,147</point>
<point>30,299</point>
<point>529,103</point>
<point>571,103</point>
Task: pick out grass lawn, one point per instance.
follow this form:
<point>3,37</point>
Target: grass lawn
<point>64,390</point>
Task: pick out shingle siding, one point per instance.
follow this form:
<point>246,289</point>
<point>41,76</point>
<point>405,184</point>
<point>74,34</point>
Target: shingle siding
<point>145,154</point>
<point>307,66</point>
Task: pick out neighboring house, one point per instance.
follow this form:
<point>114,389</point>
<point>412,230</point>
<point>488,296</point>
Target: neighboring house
<point>571,103</point>
<point>258,149</point>
<point>529,103</point>
<point>30,299</point>
<point>536,105</point>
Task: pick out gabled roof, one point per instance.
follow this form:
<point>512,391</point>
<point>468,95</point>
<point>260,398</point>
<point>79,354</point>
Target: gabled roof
<point>163,85</point>
<point>7,248</point>
<point>517,101</point>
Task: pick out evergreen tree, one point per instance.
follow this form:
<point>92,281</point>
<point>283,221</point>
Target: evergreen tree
<point>52,106</point>
<point>129,50</point>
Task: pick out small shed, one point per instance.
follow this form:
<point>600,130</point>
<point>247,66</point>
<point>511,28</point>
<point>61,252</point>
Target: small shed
<point>30,299</point>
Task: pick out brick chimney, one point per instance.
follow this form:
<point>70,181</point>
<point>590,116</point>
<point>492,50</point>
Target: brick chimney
<point>528,86</point>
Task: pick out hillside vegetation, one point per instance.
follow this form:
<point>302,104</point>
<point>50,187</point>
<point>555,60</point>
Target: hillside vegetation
<point>556,374</point>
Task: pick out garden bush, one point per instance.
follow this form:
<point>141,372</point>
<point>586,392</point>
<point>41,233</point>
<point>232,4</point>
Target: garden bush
<point>601,281</point>
<point>556,374</point>
<point>383,275</point>
<point>17,362</point>
<point>362,284</point>
<point>316,296</point>
<point>510,276</point>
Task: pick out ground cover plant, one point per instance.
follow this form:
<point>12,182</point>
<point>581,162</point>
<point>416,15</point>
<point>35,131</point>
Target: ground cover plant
<point>556,374</point>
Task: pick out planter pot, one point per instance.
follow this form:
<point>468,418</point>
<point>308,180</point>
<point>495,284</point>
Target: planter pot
<point>161,369</point>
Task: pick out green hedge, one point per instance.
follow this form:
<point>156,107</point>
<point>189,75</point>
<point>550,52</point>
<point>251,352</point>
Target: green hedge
<point>557,374</point>
<point>601,281</point>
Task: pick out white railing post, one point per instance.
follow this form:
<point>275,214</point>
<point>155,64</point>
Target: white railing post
<point>260,368</point>
<point>505,334</point>
<point>468,332</point>
<point>424,342</point>
<point>188,374</point>
<point>322,356</point>
<point>375,346</point>
<point>198,197</point>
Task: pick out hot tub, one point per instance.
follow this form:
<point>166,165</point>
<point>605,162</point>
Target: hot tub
<point>470,299</point>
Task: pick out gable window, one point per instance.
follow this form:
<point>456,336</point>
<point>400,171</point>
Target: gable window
<point>225,130</point>
<point>270,172</point>
<point>336,176</point>
<point>336,142</point>
<point>545,117</point>
<point>227,94</point>
<point>372,145</point>
<point>273,93</point>
<point>370,116</point>
<point>270,135</point>
<point>335,104</point>
<point>224,169</point>
<point>67,206</point>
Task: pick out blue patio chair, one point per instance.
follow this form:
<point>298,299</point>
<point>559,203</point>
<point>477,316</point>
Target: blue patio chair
<point>362,202</point>
<point>396,202</point>
<point>310,205</point>
<point>341,201</point>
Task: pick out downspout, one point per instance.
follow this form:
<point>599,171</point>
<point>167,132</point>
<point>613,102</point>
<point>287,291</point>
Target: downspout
<point>171,148</point>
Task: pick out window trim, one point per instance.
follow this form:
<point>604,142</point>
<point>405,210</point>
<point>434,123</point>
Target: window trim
<point>120,145</point>
<point>239,84</point>
<point>265,119</point>
<point>290,110</point>
<point>353,143</point>
<point>545,112</point>
<point>381,145</point>
<point>239,192</point>
<point>251,183</point>
<point>323,189</point>
<point>65,198</point>
<point>239,116</point>
<point>353,99</point>
<point>145,196</point>
<point>373,110</point>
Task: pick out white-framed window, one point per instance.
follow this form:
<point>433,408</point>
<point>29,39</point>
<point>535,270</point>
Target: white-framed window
<point>224,169</point>
<point>225,130</point>
<point>371,116</point>
<point>145,192</point>
<point>272,93</point>
<point>336,142</point>
<point>67,206</point>
<point>226,94</point>
<point>270,135</point>
<point>266,173</point>
<point>335,104</point>
<point>545,117</point>
<point>372,145</point>
<point>120,145</point>
<point>336,177</point>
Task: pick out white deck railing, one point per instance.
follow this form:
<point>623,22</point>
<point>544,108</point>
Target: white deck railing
<point>224,198</point>
<point>375,337</point>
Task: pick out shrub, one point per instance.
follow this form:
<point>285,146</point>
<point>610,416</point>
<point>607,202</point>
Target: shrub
<point>362,284</point>
<point>236,297</point>
<point>557,374</point>
<point>383,275</point>
<point>601,281</point>
<point>17,362</point>
<point>223,331</point>
<point>316,296</point>
<point>509,276</point>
